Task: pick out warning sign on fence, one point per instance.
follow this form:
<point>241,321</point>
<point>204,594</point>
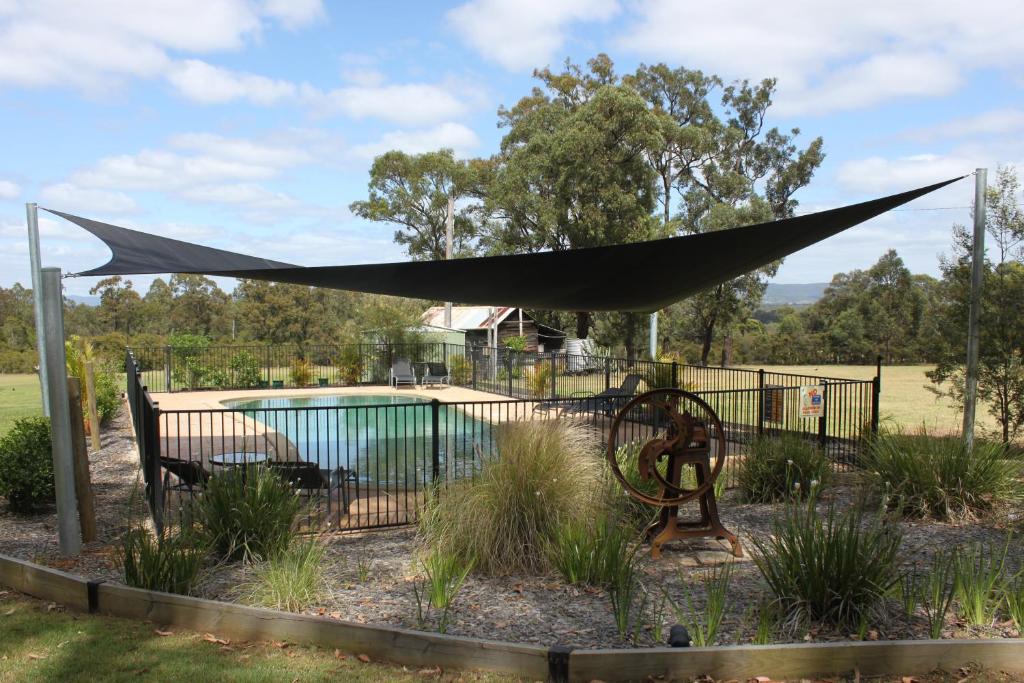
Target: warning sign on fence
<point>812,400</point>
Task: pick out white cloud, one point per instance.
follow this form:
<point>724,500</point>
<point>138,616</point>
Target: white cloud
<point>70,197</point>
<point>524,34</point>
<point>294,14</point>
<point>93,45</point>
<point>216,160</point>
<point>452,135</point>
<point>250,195</point>
<point>990,123</point>
<point>9,189</point>
<point>839,56</point>
<point>880,174</point>
<point>207,84</point>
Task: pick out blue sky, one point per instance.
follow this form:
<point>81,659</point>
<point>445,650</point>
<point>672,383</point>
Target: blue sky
<point>250,125</point>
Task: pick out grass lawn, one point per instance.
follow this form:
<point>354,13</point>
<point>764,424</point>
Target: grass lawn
<point>19,397</point>
<point>38,643</point>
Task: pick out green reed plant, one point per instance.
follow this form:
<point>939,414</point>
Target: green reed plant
<point>1013,597</point>
<point>593,553</point>
<point>979,571</point>
<point>544,475</point>
<point>703,624</point>
<point>168,563</point>
<point>248,513</point>
<point>907,591</point>
<point>291,580</point>
<point>939,476</point>
<point>767,623</point>
<point>445,575</point>
<point>623,594</point>
<point>782,467</point>
<point>828,567</point>
<point>936,591</point>
<point>634,513</point>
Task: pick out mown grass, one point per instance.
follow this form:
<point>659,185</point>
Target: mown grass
<point>19,397</point>
<point>42,644</point>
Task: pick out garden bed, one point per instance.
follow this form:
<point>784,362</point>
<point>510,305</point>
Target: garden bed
<point>370,576</point>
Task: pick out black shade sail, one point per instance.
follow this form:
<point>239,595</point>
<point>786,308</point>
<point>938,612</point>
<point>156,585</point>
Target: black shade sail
<point>642,276</point>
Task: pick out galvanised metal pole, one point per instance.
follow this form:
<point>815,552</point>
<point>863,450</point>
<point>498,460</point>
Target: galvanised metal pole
<point>68,529</point>
<point>32,216</point>
<point>653,341</point>
<point>449,234</point>
<point>974,316</point>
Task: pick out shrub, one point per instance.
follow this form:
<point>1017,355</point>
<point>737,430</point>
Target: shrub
<point>828,568</point>
<point>460,369</point>
<point>596,554</point>
<point>781,467</point>
<point>247,512</point>
<point>168,563</point>
<point>301,372</point>
<point>515,343</point>
<point>108,393</point>
<point>350,364</point>
<point>658,375</point>
<point>539,379</point>
<point>13,360</point>
<point>26,464</point>
<point>246,369</point>
<point>187,368</point>
<point>544,474</point>
<point>291,580</point>
<point>938,476</point>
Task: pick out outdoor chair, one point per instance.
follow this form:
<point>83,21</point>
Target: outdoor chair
<point>402,373</point>
<point>190,475</point>
<point>436,373</point>
<point>311,478</point>
<point>609,400</point>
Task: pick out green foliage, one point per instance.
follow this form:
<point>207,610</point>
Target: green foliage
<point>593,553</point>
<point>26,464</point>
<point>169,563</point>
<point>291,580</point>
<point>350,364</point>
<point>515,343</point>
<point>247,512</point>
<point>1013,594</point>
<point>831,568</point>
<point>781,467</point>
<point>658,375</point>
<point>936,591</point>
<point>246,369</point>
<point>460,370</point>
<point>301,372</point>
<point>108,393</point>
<point>446,573</point>
<point>539,379</point>
<point>634,513</point>
<point>979,581</point>
<point>938,476</point>
<point>543,474</point>
<point>187,353</point>
<point>703,624</point>
<point>624,596</point>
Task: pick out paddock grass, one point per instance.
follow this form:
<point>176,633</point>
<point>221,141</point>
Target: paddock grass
<point>38,643</point>
<point>19,397</point>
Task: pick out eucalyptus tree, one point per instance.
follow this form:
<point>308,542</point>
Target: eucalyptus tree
<point>412,191</point>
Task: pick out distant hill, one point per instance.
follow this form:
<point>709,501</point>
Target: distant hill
<point>92,300</point>
<point>796,294</point>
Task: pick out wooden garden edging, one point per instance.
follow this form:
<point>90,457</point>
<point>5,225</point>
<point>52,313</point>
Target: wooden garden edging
<point>559,663</point>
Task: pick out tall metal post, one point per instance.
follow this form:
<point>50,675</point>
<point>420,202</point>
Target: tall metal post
<point>55,362</point>
<point>32,218</point>
<point>449,237</point>
<point>974,316</point>
<point>653,340</point>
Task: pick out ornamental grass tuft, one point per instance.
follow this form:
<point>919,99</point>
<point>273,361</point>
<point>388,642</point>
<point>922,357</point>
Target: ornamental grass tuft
<point>291,580</point>
<point>544,475</point>
<point>168,563</point>
<point>939,476</point>
<point>782,467</point>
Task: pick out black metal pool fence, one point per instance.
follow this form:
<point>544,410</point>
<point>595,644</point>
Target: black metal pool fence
<point>368,466</point>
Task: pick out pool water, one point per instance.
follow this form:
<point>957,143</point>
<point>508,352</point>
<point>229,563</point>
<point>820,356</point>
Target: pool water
<point>385,440</point>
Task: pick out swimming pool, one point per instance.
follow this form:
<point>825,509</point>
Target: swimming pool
<point>386,440</point>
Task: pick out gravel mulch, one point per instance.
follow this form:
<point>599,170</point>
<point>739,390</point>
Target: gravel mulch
<point>370,575</point>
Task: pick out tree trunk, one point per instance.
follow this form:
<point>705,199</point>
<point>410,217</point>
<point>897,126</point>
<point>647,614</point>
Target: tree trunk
<point>727,351</point>
<point>709,335</point>
<point>582,324</point>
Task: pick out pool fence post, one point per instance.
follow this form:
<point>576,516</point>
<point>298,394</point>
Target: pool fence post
<point>876,394</point>
<point>167,369</point>
<point>32,216</point>
<point>823,420</point>
<point>55,360</point>
<point>675,374</point>
<point>435,440</point>
<point>473,354</point>
<point>607,373</point>
<point>974,312</point>
<point>554,376</point>
<point>760,402</point>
